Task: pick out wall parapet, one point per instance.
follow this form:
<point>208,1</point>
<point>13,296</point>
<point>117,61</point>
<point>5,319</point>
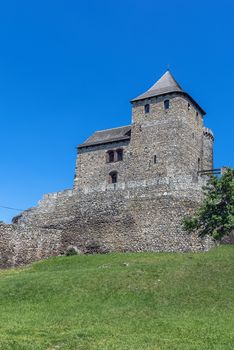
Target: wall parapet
<point>208,133</point>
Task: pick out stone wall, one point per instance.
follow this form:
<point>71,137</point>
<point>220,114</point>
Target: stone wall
<point>173,135</point>
<point>229,239</point>
<point>6,245</point>
<point>92,168</point>
<point>163,143</point>
<point>139,216</point>
<point>208,140</point>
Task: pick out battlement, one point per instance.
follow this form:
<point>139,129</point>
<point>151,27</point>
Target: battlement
<point>208,133</point>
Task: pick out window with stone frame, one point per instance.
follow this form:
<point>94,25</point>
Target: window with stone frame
<point>166,104</point>
<point>119,154</point>
<point>147,108</point>
<point>110,156</point>
<point>113,177</point>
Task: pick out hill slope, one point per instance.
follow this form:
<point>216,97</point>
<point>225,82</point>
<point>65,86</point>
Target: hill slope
<point>121,301</point>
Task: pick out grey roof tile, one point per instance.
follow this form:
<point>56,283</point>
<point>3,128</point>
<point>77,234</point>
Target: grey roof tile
<point>165,85</point>
<point>109,135</point>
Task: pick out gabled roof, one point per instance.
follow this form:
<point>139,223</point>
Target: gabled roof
<point>107,136</point>
<point>165,85</point>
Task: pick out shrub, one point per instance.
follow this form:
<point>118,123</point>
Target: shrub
<point>71,251</point>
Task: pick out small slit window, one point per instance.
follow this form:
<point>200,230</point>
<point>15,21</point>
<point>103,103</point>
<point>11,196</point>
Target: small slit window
<point>147,108</point>
<point>155,159</point>
<point>197,118</point>
<point>119,154</point>
<point>113,177</point>
<point>166,104</point>
<point>199,164</point>
<point>189,107</point>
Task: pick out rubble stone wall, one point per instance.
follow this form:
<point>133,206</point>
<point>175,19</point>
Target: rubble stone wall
<point>134,217</point>
<point>6,245</point>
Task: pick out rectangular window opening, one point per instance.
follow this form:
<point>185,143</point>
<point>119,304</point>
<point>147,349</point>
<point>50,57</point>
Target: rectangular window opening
<point>166,104</point>
<point>147,108</point>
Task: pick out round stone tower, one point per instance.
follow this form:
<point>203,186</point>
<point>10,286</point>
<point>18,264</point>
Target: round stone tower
<point>208,141</point>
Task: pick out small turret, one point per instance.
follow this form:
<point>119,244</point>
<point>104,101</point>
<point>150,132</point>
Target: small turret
<point>208,141</point>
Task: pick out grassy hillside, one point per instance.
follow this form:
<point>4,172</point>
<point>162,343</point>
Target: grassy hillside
<point>121,301</point>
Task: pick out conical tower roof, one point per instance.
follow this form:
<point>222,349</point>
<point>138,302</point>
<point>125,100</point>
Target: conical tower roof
<point>165,85</point>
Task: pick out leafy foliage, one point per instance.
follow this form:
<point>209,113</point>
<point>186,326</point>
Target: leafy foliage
<point>215,217</point>
<point>71,251</point>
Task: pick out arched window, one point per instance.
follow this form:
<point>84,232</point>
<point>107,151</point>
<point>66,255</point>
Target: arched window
<point>110,156</point>
<point>166,104</point>
<point>113,176</point>
<point>147,108</point>
<point>119,154</point>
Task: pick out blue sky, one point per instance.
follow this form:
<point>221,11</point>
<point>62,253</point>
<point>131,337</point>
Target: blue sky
<point>69,67</point>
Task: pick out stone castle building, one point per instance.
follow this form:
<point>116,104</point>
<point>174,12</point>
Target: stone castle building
<point>133,185</point>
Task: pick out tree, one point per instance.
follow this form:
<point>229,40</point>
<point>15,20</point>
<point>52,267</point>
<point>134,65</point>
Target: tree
<point>215,216</point>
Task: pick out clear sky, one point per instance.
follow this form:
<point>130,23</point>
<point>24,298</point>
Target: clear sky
<point>70,67</point>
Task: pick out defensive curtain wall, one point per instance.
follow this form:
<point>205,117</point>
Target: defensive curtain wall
<point>132,217</point>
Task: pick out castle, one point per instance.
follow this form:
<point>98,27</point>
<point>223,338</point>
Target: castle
<point>133,185</point>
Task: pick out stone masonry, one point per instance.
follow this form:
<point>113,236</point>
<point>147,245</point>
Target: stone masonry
<point>133,186</point>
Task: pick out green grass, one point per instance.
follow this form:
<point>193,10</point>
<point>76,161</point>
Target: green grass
<point>158,301</point>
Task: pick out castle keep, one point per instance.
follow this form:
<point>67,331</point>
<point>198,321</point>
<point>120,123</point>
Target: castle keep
<point>133,185</point>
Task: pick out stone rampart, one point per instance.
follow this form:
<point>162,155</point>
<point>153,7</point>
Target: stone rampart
<point>123,217</point>
<point>6,245</point>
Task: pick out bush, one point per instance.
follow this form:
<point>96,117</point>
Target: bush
<point>71,251</point>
